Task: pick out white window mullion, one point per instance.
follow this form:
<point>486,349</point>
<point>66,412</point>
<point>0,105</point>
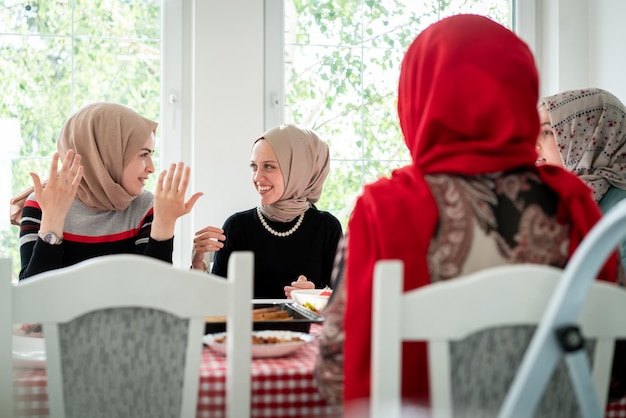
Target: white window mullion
<point>274,91</point>
<point>175,144</point>
<point>525,22</point>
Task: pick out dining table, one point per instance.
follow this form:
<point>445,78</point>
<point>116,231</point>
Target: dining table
<point>616,409</point>
<point>281,386</point>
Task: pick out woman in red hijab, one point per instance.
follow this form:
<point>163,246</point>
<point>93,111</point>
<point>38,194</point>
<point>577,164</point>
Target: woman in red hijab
<point>472,198</point>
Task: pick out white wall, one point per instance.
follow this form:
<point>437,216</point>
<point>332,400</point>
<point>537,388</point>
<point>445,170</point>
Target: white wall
<point>227,105</point>
<point>580,43</point>
<point>607,43</point>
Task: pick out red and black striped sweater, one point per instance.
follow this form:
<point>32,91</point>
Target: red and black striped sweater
<point>90,233</point>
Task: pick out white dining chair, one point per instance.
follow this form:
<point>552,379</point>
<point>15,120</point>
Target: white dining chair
<point>471,366</point>
<point>566,302</point>
<point>123,335</point>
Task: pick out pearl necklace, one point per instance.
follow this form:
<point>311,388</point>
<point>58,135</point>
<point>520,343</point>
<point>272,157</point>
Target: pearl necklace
<point>274,232</point>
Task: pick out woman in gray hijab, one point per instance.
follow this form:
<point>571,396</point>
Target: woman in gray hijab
<point>294,243</point>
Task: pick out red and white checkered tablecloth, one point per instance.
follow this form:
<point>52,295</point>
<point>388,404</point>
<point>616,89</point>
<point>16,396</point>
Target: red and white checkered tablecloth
<point>616,409</point>
<point>31,397</point>
<point>281,387</point>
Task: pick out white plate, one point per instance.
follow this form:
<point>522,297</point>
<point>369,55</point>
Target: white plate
<point>264,350</point>
<point>312,296</point>
<point>29,352</point>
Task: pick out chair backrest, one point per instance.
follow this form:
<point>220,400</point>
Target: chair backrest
<point>123,335</point>
<point>565,306</point>
<point>445,313</point>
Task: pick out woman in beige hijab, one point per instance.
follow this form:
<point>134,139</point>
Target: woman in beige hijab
<point>95,203</point>
<point>293,242</point>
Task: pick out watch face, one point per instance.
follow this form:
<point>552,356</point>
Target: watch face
<point>50,238</point>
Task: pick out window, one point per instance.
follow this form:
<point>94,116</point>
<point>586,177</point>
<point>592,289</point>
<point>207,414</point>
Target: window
<point>57,57</point>
<point>330,65</point>
<point>341,67</point>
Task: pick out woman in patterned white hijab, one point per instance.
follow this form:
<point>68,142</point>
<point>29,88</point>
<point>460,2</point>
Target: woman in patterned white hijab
<point>585,132</point>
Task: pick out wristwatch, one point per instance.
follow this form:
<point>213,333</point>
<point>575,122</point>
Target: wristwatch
<point>50,238</point>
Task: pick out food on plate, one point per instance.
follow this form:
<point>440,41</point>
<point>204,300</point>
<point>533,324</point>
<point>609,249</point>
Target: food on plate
<point>215,319</point>
<point>272,313</point>
<point>264,344</point>
<point>266,339</point>
<point>31,329</point>
<point>310,306</point>
<point>312,299</point>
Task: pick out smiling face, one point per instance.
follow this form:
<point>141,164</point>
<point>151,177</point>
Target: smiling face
<point>547,150</point>
<point>139,169</point>
<point>266,174</point>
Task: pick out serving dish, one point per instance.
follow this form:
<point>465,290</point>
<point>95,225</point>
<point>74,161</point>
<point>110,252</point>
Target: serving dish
<point>310,298</point>
<point>290,341</point>
<point>296,318</point>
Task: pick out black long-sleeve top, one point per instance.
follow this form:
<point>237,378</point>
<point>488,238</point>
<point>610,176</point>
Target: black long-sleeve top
<point>278,261</point>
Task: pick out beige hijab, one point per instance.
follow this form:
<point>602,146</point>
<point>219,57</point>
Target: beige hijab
<point>304,161</point>
<point>107,136</point>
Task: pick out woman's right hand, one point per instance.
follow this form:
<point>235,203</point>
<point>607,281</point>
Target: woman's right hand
<point>56,198</point>
<point>301,283</point>
<point>206,240</point>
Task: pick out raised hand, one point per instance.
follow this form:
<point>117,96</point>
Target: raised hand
<point>169,200</point>
<point>55,199</point>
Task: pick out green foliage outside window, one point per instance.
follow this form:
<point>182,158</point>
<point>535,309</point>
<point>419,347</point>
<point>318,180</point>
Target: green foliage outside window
<point>342,67</point>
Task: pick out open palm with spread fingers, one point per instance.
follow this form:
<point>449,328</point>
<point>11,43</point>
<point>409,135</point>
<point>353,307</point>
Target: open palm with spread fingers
<point>169,200</point>
<point>55,199</point>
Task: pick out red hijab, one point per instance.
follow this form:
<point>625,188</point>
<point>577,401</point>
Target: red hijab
<point>467,100</point>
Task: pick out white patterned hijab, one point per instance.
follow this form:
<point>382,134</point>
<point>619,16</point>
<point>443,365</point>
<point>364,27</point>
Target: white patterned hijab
<point>590,131</point>
<point>304,161</point>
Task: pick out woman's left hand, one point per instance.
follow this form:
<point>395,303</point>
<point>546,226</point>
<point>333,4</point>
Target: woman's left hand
<point>301,283</point>
<point>208,239</point>
<point>169,200</point>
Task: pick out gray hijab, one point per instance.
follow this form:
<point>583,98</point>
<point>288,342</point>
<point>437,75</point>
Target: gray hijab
<point>304,161</point>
